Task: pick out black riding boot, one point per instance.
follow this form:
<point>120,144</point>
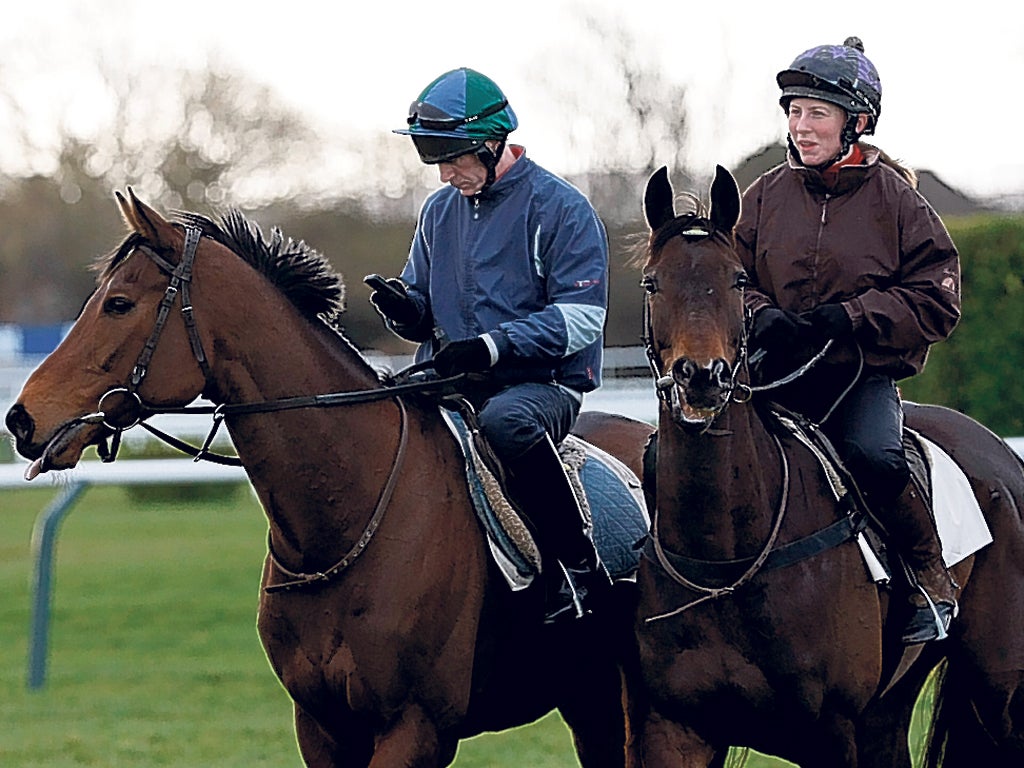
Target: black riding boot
<point>933,596</point>
<point>576,579</point>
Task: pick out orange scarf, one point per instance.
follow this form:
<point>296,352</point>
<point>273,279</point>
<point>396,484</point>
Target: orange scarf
<point>831,174</point>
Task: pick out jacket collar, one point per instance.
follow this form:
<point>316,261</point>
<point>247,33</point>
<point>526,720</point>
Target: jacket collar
<point>850,177</point>
<point>519,169</point>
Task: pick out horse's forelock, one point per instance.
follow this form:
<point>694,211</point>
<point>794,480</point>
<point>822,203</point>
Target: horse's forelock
<point>689,224</point>
<point>104,265</point>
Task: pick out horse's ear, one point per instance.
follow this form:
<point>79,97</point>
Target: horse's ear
<point>141,218</point>
<point>659,206</point>
<point>725,200</point>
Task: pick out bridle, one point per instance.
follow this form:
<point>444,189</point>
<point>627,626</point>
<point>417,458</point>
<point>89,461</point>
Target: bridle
<point>132,411</point>
<point>737,391</point>
<point>665,384</point>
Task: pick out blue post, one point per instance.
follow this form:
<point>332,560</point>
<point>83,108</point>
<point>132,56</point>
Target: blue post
<point>44,539</point>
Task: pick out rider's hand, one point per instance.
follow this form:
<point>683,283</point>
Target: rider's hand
<point>462,357</point>
<point>828,321</point>
<point>775,329</point>
<point>401,310</point>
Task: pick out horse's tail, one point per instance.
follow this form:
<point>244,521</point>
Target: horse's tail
<point>938,725</point>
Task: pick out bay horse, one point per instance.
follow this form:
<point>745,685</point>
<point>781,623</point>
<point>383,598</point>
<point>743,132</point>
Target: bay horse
<point>381,612</point>
<point>741,640</point>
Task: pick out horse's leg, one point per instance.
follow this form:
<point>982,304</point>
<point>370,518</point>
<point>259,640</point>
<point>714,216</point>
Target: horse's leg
<point>832,745</point>
<point>884,730</point>
<point>882,737</point>
<point>320,750</point>
<point>594,711</point>
<point>413,741</point>
<point>594,701</point>
<point>666,744</point>
<point>985,680</point>
<point>985,727</point>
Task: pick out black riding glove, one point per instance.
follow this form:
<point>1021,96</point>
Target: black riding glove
<point>829,321</point>
<point>776,330</point>
<point>462,357</point>
<point>400,310</point>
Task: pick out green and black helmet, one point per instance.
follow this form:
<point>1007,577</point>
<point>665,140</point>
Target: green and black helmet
<point>456,114</point>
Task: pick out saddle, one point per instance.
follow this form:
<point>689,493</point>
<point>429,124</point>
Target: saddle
<point>609,492</point>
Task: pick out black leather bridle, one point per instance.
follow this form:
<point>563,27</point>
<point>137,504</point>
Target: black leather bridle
<point>121,408</point>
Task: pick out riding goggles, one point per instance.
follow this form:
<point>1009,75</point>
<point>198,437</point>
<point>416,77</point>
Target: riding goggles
<point>431,118</point>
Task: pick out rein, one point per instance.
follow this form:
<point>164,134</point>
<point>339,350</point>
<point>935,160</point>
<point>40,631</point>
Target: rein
<point>712,593</point>
<point>665,386</point>
<point>327,400</point>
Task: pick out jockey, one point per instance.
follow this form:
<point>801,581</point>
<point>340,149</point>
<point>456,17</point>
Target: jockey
<point>508,275</point>
<point>840,245</point>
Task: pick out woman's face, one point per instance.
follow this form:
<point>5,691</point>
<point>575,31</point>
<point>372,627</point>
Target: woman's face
<point>815,127</point>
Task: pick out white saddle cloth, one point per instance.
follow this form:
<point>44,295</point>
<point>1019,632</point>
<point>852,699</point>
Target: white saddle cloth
<point>961,524</point>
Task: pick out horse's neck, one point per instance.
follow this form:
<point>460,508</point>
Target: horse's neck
<point>318,471</point>
<point>717,490</point>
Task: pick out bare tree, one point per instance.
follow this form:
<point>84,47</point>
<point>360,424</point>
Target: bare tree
<point>196,140</point>
<point>616,133</point>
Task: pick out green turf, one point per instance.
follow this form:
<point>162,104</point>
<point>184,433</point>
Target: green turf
<point>154,658</point>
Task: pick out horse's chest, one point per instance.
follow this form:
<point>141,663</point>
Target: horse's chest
<point>308,645</point>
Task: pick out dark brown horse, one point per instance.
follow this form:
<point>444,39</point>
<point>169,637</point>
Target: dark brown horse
<point>747,640</point>
<point>395,635</point>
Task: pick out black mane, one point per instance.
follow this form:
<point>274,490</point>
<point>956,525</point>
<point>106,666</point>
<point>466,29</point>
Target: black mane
<point>303,274</point>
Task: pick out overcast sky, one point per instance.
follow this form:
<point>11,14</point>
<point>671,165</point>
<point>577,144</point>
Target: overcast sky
<point>951,71</point>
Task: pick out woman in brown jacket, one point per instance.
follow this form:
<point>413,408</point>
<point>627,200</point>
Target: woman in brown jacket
<point>839,245</point>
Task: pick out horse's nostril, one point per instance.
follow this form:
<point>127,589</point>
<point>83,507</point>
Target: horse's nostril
<point>18,422</point>
<point>683,370</point>
<point>720,370</point>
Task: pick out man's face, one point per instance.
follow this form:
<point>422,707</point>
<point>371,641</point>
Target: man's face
<point>466,173</point>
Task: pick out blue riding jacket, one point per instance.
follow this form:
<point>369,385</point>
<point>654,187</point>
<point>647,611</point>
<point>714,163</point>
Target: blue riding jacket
<point>525,262</point>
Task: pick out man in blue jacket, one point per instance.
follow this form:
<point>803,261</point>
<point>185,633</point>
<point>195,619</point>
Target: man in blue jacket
<point>508,274</point>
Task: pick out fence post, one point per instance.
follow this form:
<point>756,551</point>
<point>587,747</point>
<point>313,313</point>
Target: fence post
<point>44,539</point>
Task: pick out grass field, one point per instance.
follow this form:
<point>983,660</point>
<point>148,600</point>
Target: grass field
<point>154,658</point>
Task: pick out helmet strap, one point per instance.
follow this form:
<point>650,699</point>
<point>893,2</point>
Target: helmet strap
<point>490,160</point>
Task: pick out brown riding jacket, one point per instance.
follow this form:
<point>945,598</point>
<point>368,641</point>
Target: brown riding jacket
<point>871,243</point>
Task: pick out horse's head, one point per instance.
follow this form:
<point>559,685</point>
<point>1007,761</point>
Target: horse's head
<point>129,345</point>
<point>694,316</point>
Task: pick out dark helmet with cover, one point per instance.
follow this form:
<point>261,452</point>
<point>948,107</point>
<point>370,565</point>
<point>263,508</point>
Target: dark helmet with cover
<point>840,74</point>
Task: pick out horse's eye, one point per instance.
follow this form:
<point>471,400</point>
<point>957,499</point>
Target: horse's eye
<point>118,305</point>
<point>742,281</point>
<point>649,283</point>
